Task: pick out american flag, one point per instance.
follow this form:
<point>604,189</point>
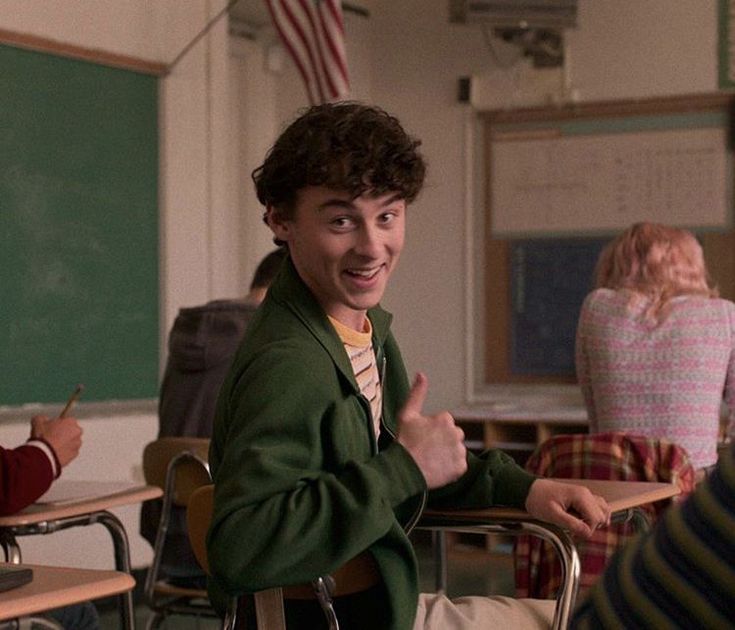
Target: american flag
<point>313,33</point>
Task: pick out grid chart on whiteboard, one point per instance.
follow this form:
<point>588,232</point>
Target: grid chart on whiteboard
<point>726,43</point>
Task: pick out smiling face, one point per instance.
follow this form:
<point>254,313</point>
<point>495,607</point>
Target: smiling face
<point>344,249</point>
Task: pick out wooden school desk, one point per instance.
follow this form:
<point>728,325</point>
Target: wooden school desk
<point>54,587</point>
<point>622,496</point>
<point>74,503</point>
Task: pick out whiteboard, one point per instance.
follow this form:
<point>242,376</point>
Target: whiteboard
<point>545,183</point>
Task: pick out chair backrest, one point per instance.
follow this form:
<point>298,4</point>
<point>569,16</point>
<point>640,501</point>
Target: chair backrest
<point>198,518</point>
<point>268,603</point>
<point>187,456</point>
<point>179,465</point>
<point>616,456</point>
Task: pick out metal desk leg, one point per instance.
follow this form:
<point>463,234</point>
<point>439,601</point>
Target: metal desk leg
<point>119,541</point>
<point>10,547</point>
<point>559,539</point>
<point>569,558</point>
<point>230,620</point>
<point>122,563</point>
<point>439,544</point>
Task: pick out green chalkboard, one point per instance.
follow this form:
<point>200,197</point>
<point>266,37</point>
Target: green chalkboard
<point>78,230</point>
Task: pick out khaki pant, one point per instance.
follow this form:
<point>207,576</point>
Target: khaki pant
<point>437,612</point>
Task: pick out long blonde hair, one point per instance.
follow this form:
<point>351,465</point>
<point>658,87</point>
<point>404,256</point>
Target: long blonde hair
<point>656,262</point>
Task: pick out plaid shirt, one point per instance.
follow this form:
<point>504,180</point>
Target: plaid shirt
<point>616,456</point>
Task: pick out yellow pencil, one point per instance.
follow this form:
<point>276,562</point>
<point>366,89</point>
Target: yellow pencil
<point>72,399</point>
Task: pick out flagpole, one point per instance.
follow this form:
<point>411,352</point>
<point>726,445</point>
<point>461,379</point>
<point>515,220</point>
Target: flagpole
<point>199,35</point>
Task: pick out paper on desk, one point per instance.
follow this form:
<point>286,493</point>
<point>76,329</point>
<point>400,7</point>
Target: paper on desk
<point>70,491</point>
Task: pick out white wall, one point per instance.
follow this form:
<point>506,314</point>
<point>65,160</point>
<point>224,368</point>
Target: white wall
<point>418,59</point>
<point>126,28</point>
<point>221,111</point>
<point>619,50</point>
<point>622,49</point>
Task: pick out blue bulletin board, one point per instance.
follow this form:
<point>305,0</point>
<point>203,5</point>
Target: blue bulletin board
<point>549,281</point>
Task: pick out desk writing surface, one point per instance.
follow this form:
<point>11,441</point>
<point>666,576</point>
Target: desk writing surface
<point>71,491</point>
<point>621,495</point>
<point>77,498</point>
<point>54,587</point>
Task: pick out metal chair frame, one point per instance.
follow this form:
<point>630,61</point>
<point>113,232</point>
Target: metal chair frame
<point>185,472</point>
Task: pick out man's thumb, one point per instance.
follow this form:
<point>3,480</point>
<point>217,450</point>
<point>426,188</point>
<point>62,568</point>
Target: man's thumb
<point>417,394</point>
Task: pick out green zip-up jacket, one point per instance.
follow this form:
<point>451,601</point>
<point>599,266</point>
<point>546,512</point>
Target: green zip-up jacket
<point>300,485</point>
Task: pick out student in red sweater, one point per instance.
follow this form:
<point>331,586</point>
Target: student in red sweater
<point>26,472</point>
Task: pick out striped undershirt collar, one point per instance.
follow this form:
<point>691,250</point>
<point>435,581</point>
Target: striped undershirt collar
<point>353,337</point>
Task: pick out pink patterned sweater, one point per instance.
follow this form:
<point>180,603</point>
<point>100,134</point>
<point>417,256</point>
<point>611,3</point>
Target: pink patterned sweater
<point>663,382</point>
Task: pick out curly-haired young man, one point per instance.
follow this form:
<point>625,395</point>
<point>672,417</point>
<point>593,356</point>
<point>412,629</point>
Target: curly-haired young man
<point>322,454</point>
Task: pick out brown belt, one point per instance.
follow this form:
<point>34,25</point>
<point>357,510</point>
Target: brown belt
<point>359,574</point>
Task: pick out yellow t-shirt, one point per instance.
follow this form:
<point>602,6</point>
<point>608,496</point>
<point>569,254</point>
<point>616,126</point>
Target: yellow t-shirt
<point>359,348</point>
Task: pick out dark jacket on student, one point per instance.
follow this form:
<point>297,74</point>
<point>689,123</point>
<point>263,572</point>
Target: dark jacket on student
<point>201,345</point>
<point>301,486</point>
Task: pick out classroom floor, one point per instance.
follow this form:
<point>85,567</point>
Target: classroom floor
<point>471,571</point>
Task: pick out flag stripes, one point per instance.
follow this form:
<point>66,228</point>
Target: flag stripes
<point>313,33</point>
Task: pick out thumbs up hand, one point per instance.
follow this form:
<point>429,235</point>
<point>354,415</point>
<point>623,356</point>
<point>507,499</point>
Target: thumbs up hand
<point>435,442</point>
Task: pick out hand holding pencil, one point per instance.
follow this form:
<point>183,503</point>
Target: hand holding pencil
<point>72,400</point>
<point>62,434</point>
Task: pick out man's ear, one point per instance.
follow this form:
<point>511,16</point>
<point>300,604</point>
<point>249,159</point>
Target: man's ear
<point>278,225</point>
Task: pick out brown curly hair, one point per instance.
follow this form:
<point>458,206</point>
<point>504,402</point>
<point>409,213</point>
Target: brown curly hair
<point>347,146</point>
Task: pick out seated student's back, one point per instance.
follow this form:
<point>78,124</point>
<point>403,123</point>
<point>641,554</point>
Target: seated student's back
<point>201,344</point>
<point>655,350</point>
